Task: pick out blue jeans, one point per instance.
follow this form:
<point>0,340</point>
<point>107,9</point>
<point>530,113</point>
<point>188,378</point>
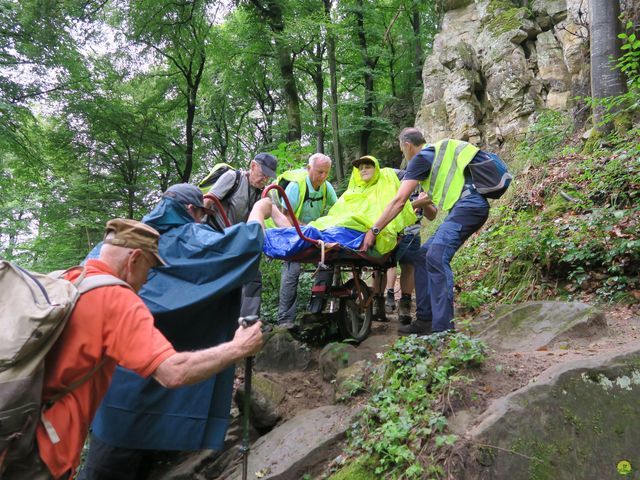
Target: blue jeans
<point>433,274</point>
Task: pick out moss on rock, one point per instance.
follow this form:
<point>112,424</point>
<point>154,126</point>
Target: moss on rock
<point>358,470</point>
<point>506,21</point>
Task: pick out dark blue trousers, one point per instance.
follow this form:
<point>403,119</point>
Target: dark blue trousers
<point>433,274</point>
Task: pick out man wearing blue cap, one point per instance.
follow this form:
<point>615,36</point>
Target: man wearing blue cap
<point>238,191</point>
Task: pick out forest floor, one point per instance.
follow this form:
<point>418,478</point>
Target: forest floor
<point>502,373</point>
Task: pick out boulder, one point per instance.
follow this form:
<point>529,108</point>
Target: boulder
<point>335,356</point>
<point>295,447</point>
<point>578,420</point>
<point>266,395</point>
<point>534,325</point>
<point>351,380</point>
<point>281,353</point>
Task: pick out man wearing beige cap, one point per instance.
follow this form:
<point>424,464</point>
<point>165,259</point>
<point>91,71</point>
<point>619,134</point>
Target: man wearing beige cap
<point>111,325</point>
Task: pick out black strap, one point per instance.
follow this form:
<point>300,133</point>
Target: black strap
<point>233,189</point>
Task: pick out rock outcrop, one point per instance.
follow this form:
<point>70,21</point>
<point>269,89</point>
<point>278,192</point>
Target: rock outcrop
<point>579,420</point>
<point>495,63</point>
<point>536,325</point>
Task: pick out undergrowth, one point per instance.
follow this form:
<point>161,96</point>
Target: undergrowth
<point>569,229</point>
<point>403,428</point>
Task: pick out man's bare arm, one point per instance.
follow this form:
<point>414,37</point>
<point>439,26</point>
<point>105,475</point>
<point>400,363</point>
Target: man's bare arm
<point>390,212</point>
<point>186,368</point>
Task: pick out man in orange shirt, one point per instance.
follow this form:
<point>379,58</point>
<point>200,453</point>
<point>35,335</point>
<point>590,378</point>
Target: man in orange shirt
<point>111,325</point>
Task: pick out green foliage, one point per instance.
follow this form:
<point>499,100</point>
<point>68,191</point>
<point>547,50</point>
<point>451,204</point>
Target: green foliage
<point>629,63</point>
<point>270,289</point>
<point>401,416</point>
<point>622,110</point>
<point>474,298</point>
<point>271,273</point>
<point>550,129</point>
<point>104,105</point>
<point>292,156</point>
<point>568,230</point>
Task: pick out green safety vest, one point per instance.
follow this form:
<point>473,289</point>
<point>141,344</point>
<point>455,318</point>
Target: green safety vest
<point>446,179</point>
<point>300,177</point>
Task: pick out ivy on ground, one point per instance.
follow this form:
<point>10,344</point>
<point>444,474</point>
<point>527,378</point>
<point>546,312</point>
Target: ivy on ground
<point>403,427</point>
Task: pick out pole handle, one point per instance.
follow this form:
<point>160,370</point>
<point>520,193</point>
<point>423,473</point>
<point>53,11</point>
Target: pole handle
<point>247,321</point>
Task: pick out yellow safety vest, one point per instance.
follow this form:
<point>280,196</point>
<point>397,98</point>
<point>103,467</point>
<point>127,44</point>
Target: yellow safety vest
<point>299,176</point>
<point>446,179</point>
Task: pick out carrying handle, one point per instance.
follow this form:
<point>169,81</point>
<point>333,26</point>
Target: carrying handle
<point>216,201</point>
<point>296,224</point>
<point>247,321</point>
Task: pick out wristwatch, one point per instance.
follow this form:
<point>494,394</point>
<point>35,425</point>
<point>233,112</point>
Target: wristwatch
<point>375,230</point>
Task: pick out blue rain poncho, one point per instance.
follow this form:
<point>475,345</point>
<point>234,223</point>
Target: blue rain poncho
<point>195,302</point>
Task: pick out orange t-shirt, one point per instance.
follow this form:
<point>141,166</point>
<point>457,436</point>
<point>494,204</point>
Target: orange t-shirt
<point>110,323</point>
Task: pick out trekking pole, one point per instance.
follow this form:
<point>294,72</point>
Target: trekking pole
<point>244,449</point>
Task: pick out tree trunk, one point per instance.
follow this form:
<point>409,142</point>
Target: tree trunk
<point>606,79</point>
<point>335,130</point>
<point>392,69</point>
<point>188,151</point>
<point>294,132</point>
<point>369,67</point>
<point>418,55</point>
<point>318,79</point>
<point>193,83</point>
<point>271,12</point>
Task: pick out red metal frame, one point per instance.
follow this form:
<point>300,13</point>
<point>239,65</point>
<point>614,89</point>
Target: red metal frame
<point>218,205</point>
<point>293,218</point>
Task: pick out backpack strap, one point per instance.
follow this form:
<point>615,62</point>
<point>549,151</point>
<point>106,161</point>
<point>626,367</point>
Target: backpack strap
<point>48,426</point>
<point>233,189</point>
<point>97,281</point>
<point>85,285</point>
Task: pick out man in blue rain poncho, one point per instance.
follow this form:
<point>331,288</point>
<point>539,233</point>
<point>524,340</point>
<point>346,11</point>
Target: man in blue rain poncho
<point>195,302</point>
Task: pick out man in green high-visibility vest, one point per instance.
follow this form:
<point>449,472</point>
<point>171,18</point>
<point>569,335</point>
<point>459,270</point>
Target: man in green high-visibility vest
<point>442,170</point>
<point>311,197</point>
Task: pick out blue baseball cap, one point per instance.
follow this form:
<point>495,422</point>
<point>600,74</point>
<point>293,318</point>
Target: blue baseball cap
<point>268,164</point>
<point>186,194</point>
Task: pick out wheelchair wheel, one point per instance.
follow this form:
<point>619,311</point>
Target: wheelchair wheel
<point>354,320</point>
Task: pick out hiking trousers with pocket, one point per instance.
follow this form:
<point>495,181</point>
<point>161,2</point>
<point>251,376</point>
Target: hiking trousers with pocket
<point>433,274</point>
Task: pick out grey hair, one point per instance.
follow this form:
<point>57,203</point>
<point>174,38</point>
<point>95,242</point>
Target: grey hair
<point>318,157</point>
<point>413,136</point>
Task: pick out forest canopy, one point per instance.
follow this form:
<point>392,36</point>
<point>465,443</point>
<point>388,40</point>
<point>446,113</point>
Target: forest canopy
<point>104,104</point>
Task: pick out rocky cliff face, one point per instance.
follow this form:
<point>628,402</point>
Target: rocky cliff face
<point>496,62</point>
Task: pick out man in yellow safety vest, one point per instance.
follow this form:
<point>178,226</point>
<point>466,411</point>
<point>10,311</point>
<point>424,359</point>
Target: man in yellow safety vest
<point>442,171</point>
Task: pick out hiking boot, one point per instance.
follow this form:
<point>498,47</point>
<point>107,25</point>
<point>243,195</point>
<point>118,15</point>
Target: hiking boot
<point>390,301</point>
<point>417,327</point>
<point>379,314</point>
<point>404,310</point>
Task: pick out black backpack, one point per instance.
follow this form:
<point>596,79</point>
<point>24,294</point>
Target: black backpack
<point>491,176</point>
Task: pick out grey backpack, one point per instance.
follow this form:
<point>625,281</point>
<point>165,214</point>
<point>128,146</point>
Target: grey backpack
<point>34,309</point>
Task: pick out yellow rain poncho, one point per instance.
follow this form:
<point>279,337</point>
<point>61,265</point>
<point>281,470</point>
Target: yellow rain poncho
<point>363,202</point>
